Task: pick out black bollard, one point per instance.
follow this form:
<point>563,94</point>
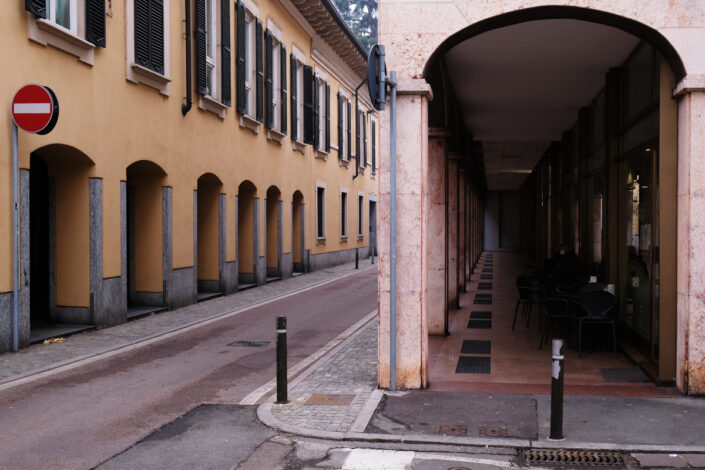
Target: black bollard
<point>372,258</point>
<point>281,361</point>
<point>557,391</point>
<point>357,256</point>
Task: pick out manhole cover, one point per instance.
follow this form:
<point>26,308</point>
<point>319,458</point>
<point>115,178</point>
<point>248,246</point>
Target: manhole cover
<point>249,344</point>
<point>452,430</point>
<point>334,399</point>
<point>573,457</point>
<point>492,431</point>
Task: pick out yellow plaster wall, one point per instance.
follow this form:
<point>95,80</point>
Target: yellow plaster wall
<point>116,122</point>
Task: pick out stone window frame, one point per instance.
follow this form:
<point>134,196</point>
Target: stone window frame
<point>48,33</point>
<point>136,73</point>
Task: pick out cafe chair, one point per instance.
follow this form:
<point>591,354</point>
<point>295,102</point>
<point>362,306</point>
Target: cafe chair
<point>597,306</point>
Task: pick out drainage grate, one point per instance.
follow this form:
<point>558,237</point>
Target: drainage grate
<point>573,457</point>
<point>492,431</point>
<point>486,270</point>
<point>481,315</point>
<point>480,324</point>
<point>486,277</point>
<point>452,430</point>
<point>472,346</point>
<point>249,344</point>
<point>483,302</point>
<point>473,365</point>
<point>483,296</point>
<point>484,286</point>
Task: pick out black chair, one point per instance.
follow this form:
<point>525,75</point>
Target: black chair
<point>592,287</point>
<point>526,299</point>
<point>597,306</point>
<point>558,311</point>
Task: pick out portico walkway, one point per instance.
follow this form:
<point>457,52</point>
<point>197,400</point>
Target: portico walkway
<point>517,365</point>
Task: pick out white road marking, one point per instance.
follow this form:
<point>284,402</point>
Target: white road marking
<point>369,459</point>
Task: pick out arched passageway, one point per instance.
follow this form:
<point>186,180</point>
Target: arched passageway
<point>548,126</point>
<point>249,268</point>
<point>210,242</point>
<point>61,226</point>
<point>145,238</point>
<point>298,232</point>
<point>273,233</point>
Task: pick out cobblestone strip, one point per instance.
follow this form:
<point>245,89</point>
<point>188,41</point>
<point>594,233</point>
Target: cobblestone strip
<point>352,370</point>
<point>40,357</point>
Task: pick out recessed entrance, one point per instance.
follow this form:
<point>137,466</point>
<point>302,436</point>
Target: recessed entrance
<point>247,235</point>
<point>298,233</point>
<point>209,239</point>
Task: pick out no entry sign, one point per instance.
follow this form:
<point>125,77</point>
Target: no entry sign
<point>35,109</point>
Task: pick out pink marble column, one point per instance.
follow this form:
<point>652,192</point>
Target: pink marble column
<point>412,239</point>
<point>452,231</point>
<point>462,238</point>
<point>468,233</point>
<point>436,250</point>
<point>690,350</point>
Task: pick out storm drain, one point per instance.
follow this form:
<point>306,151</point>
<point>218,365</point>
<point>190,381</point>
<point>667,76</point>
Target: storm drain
<point>486,270</point>
<point>471,346</point>
<point>481,315</point>
<point>484,285</point>
<point>249,344</point>
<point>486,277</point>
<point>573,457</point>
<point>473,365</point>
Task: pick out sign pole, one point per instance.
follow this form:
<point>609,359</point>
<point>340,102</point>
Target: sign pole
<point>15,244</point>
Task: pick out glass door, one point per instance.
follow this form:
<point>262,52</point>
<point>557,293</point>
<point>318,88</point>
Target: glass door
<point>638,292</point>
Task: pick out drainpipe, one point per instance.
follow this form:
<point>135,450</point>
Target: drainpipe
<point>357,130</point>
<point>392,80</point>
<point>186,107</point>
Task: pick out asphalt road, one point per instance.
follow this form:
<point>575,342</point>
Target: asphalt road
<point>88,415</point>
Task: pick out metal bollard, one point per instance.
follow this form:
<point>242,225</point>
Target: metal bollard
<point>357,257</point>
<point>372,258</point>
<point>557,391</point>
<point>281,361</point>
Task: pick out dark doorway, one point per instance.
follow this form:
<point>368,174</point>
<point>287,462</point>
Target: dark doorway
<point>373,228</point>
<point>39,197</point>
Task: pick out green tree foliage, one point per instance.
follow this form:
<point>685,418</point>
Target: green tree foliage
<point>361,17</point>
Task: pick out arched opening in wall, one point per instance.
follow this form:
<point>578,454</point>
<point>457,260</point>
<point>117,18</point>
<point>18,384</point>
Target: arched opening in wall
<point>145,238</point>
<point>560,155</point>
<point>247,235</point>
<point>273,232</point>
<point>298,232</point>
<point>60,229</point>
<point>210,243</point>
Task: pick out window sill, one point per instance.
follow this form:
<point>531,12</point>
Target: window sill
<point>275,135</point>
<point>360,237</point>
<point>299,147</point>
<point>321,241</point>
<point>248,123</point>
<point>47,33</point>
<point>145,76</point>
<point>343,239</point>
<point>343,163</point>
<point>322,154</point>
<point>208,103</point>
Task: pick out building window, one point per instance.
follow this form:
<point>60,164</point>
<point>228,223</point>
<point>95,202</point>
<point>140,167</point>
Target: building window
<point>322,115</point>
<point>360,201</point>
<point>343,213</point>
<point>320,211</point>
<point>297,63</point>
<point>148,43</point>
<point>275,82</point>
<point>211,51</point>
<point>212,36</point>
<point>342,126</point>
<point>250,71</point>
<point>300,102</point>
<point>63,13</point>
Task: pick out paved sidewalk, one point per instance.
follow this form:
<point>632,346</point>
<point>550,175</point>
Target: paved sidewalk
<point>39,358</point>
<point>337,398</point>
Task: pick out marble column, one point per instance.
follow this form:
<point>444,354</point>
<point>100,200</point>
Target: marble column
<point>690,351</point>
<point>436,250</point>
<point>452,231</point>
<point>412,240</point>
<point>462,233</point>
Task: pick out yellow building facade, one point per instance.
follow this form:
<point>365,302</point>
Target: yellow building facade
<point>202,147</point>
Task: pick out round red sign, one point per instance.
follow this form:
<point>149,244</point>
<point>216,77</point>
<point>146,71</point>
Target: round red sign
<point>35,109</point>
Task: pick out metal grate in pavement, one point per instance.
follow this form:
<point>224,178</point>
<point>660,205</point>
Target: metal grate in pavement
<point>486,277</point>
<point>473,365</point>
<point>481,315</point>
<point>471,346</point>
<point>484,286</point>
<point>452,430</point>
<point>573,457</point>
<point>480,324</point>
<point>483,302</point>
<point>486,270</point>
<point>249,344</point>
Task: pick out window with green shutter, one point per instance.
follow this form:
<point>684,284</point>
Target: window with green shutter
<point>149,34</point>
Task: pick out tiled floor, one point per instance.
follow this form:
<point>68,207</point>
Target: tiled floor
<point>517,364</point>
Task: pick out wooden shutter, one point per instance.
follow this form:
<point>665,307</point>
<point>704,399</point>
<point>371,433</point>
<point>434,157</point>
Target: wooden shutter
<point>364,137</point>
<point>349,130</point>
<point>36,7</point>
<point>282,99</point>
<point>308,104</point>
<point>374,145</point>
<point>241,58</point>
<point>293,69</point>
<point>327,142</point>
<point>341,150</point>
<point>269,80</point>
<point>316,113</point>
<point>225,87</point>
<point>260,72</point>
<point>199,33</point>
<point>149,34</point>
<point>358,150</point>
<point>95,22</point>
